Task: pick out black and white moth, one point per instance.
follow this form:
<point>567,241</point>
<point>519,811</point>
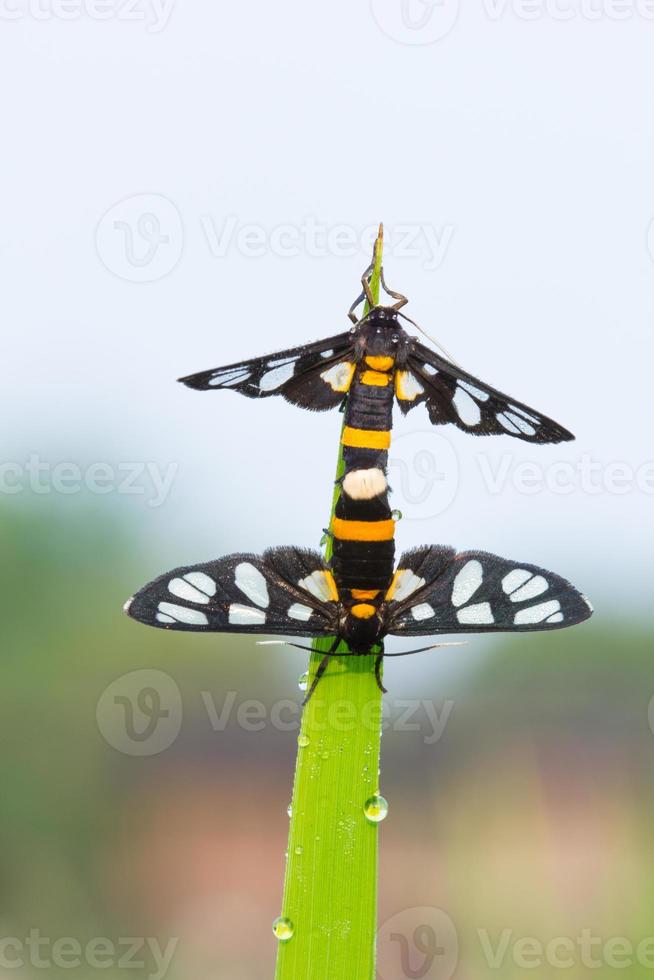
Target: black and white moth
<point>293,592</point>
<point>318,376</point>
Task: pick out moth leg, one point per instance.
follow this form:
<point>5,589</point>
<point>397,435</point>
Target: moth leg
<point>366,294</point>
<point>352,315</point>
<point>401,300</point>
<point>322,667</point>
<point>378,663</point>
<point>365,282</point>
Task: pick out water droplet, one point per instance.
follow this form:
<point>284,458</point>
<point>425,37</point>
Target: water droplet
<point>325,755</point>
<point>299,850</point>
<point>303,681</point>
<point>376,809</point>
<point>289,809</point>
<point>396,515</point>
<point>283,928</point>
<point>303,740</point>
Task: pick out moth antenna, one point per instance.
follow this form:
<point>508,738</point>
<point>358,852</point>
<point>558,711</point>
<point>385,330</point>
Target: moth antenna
<point>443,350</point>
<point>282,643</point>
<point>434,646</point>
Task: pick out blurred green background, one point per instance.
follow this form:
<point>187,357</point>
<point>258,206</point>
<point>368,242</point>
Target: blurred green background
<point>530,816</point>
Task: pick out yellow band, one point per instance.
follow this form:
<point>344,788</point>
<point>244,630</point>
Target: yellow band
<point>365,593</point>
<point>365,438</point>
<point>380,363</point>
<point>376,378</point>
<point>363,611</point>
<point>363,530</point>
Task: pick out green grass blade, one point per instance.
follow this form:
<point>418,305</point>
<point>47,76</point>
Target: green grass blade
<point>330,888</point>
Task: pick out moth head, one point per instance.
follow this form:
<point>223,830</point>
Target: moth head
<point>361,626</point>
<point>380,328</point>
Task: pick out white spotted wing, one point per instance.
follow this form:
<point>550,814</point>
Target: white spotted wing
<point>285,591</point>
<point>453,396</point>
<point>436,590</point>
<point>315,376</point>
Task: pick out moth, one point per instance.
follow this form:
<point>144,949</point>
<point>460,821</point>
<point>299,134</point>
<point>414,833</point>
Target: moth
<point>318,376</point>
<point>293,592</point>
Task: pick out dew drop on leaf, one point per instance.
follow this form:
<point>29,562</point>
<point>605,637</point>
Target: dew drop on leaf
<point>283,928</point>
<point>375,809</point>
<point>303,681</point>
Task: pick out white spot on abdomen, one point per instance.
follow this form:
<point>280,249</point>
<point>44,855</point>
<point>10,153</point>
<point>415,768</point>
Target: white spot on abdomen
<point>365,484</point>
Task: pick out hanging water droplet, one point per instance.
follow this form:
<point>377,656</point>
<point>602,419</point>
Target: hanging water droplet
<point>303,740</point>
<point>376,809</point>
<point>396,515</point>
<point>303,681</point>
<point>289,809</point>
<point>283,928</point>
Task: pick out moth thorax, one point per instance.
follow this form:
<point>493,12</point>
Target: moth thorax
<point>365,484</point>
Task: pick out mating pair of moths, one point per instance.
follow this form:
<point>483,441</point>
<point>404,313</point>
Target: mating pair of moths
<point>357,598</point>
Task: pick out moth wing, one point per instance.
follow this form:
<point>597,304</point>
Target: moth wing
<point>453,395</point>
<point>436,590</point>
<point>282,592</point>
<point>315,376</point>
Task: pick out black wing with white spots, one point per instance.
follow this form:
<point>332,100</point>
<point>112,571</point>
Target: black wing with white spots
<point>287,591</point>
<point>310,376</point>
<point>453,395</point>
<point>436,590</point>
